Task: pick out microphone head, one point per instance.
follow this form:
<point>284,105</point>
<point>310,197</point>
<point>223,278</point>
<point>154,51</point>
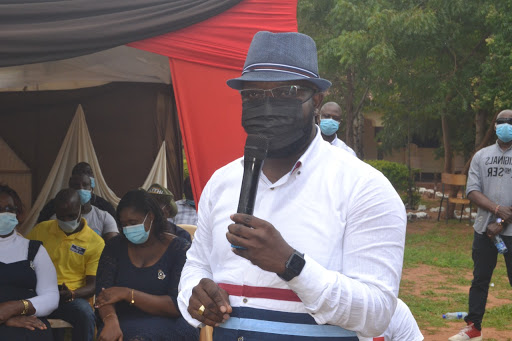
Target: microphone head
<point>256,146</point>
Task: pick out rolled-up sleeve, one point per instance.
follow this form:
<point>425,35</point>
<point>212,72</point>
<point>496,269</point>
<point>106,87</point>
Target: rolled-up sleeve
<point>47,298</point>
<point>363,297</point>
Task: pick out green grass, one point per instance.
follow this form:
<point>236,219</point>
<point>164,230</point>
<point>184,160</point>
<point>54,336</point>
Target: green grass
<point>446,249</point>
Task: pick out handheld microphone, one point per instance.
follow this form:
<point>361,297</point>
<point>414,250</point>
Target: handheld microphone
<point>255,151</point>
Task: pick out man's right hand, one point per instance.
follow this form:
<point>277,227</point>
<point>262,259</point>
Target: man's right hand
<point>215,301</point>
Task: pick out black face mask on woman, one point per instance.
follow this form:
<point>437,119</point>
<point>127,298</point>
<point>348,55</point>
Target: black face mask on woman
<point>281,121</point>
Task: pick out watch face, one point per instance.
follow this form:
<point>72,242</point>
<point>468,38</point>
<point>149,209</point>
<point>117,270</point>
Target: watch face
<point>499,220</point>
<point>296,263</point>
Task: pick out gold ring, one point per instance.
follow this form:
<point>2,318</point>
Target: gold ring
<point>201,310</point>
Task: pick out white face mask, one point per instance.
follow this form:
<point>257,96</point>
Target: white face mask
<point>72,225</point>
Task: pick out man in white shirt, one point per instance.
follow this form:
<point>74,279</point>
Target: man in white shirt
<point>321,258</point>
<point>329,120</point>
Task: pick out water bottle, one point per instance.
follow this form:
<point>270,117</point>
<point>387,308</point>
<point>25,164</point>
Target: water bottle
<point>455,316</point>
<point>500,244</point>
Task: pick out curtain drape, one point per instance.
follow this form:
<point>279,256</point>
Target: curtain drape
<point>34,31</point>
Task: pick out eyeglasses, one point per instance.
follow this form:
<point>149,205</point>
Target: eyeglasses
<point>504,120</point>
<point>8,209</point>
<point>301,93</point>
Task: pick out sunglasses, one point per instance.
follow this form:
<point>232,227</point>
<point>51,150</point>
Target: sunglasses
<point>301,93</point>
<point>504,120</point>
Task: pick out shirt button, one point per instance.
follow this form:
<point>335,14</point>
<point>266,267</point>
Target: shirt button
<point>272,188</point>
<point>298,172</point>
<point>241,338</point>
<point>245,300</point>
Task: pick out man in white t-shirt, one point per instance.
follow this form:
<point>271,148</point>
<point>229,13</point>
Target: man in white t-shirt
<point>100,221</point>
<point>403,326</point>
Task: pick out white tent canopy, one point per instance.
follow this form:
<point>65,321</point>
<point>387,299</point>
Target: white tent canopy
<point>120,64</point>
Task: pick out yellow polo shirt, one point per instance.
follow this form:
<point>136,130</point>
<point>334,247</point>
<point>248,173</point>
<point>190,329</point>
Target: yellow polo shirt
<point>74,256</point>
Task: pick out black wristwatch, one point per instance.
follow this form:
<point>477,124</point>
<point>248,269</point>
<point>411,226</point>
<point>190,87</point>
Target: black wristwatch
<point>294,266</point>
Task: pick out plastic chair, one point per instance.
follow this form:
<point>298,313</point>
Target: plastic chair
<point>189,228</point>
<point>454,180</point>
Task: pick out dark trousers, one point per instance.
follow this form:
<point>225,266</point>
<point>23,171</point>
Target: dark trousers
<point>485,256</point>
<point>81,316</point>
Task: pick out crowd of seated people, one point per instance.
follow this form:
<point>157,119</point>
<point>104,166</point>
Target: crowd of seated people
<point>76,265</point>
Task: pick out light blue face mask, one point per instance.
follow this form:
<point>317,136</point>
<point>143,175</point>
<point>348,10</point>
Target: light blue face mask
<point>85,196</point>
<point>70,226</point>
<point>93,182</point>
<point>8,222</point>
<point>504,132</point>
<point>328,126</point>
<point>137,234</point>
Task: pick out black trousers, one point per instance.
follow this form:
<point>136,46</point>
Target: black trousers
<point>485,257</point>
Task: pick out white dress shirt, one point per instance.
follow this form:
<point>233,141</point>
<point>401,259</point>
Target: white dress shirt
<point>14,249</point>
<point>342,213</point>
<point>403,326</point>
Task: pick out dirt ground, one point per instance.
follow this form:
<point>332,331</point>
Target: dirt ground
<point>428,278</point>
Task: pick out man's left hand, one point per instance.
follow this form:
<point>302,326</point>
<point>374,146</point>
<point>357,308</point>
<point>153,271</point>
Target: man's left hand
<point>264,245</point>
<point>493,229</point>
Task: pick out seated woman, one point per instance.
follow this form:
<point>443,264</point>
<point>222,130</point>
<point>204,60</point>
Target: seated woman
<point>28,281</point>
<point>138,276</point>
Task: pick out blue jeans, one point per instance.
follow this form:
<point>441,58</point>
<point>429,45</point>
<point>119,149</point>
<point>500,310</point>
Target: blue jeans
<point>485,257</point>
<point>80,315</point>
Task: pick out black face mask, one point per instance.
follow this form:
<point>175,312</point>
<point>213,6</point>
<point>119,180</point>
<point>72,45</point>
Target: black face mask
<point>281,121</point>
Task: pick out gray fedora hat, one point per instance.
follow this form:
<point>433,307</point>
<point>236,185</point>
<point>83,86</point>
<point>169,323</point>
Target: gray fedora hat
<point>280,57</point>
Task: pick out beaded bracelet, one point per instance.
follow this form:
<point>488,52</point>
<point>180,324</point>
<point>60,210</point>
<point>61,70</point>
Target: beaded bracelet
<point>496,210</point>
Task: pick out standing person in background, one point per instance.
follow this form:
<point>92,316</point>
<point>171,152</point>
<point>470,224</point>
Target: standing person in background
<point>28,282</point>
<point>75,251</point>
<point>321,258</point>
<point>187,213</point>
<point>329,120</point>
<point>490,188</point>
<point>80,168</point>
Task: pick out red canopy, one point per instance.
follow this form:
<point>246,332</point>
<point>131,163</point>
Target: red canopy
<point>202,58</point>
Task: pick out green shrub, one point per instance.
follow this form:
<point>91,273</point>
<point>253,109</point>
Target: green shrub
<point>396,173</point>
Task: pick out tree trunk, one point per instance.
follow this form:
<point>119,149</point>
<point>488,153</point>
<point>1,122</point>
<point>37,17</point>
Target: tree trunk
<point>358,134</point>
<point>448,159</point>
<point>479,126</point>
<point>349,106</point>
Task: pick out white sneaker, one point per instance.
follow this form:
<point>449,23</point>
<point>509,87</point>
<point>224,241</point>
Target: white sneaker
<point>468,333</point>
